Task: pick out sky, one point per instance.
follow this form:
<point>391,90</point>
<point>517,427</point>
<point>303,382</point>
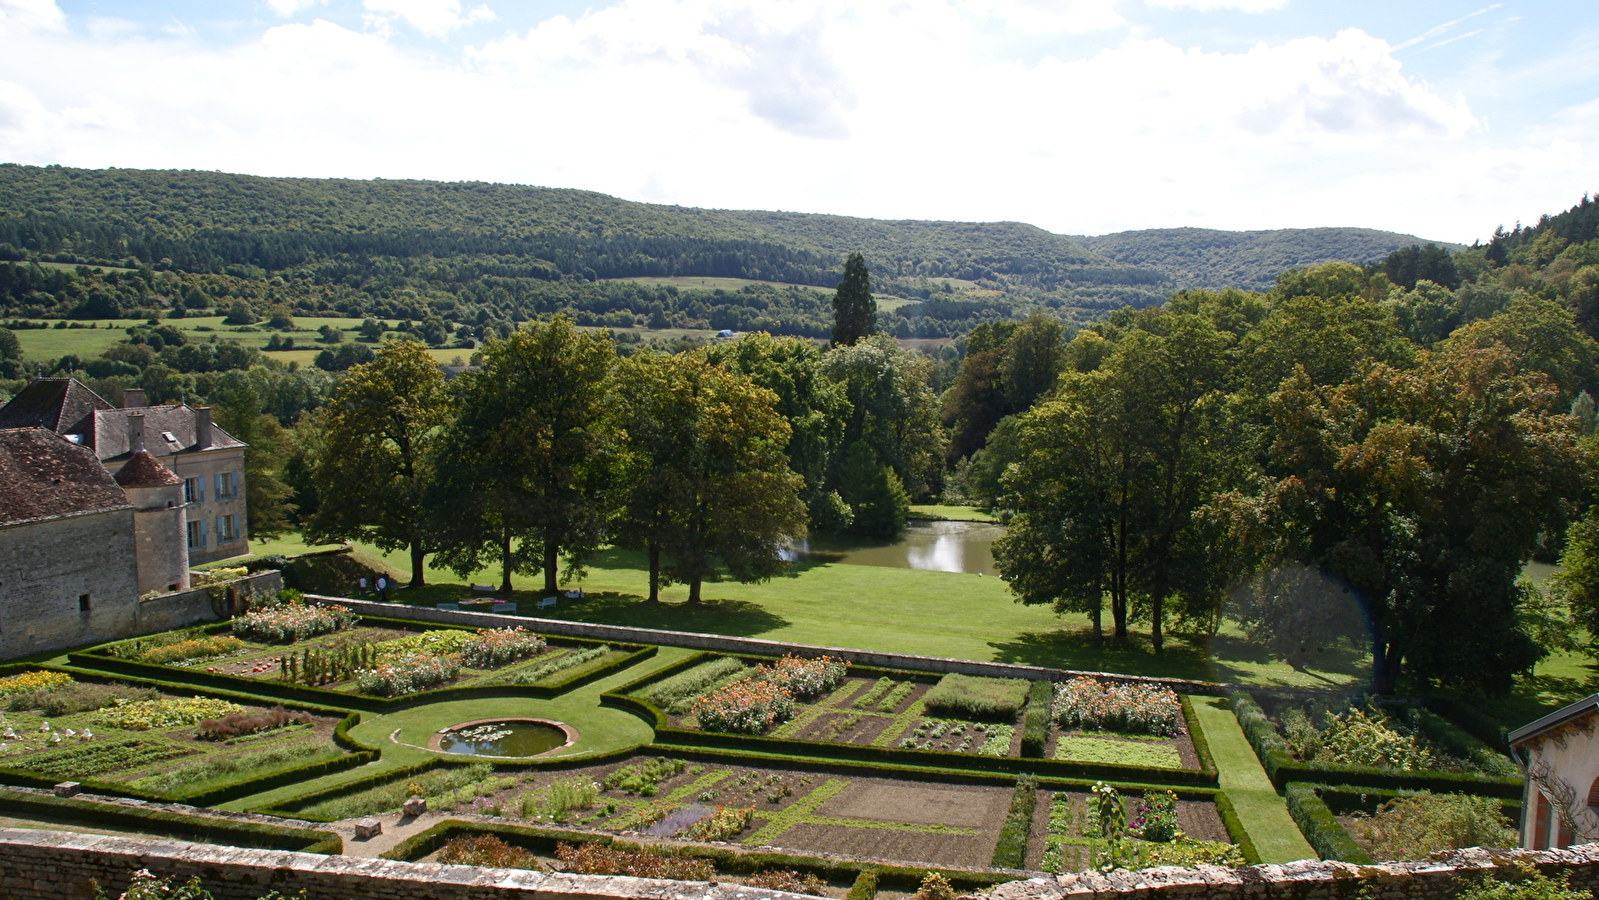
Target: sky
<point>1439,119</point>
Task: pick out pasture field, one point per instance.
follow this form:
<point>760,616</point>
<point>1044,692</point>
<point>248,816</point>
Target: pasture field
<point>53,343</point>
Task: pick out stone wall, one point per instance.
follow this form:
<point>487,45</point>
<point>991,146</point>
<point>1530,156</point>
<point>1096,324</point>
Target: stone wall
<point>55,865</point>
<point>1439,878</point>
<point>47,566</point>
<point>723,644</point>
<point>190,607</point>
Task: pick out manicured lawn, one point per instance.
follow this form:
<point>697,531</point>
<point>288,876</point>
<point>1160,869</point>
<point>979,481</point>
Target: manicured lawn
<point>952,513</point>
<point>52,342</point>
<point>896,610</point>
<point>1263,813</point>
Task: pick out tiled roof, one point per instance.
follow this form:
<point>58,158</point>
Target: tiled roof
<point>143,470</point>
<point>53,403</point>
<point>43,475</point>
<point>107,431</point>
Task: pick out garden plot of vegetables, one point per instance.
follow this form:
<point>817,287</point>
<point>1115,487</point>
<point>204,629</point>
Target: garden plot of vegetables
<point>329,647</point>
<point>817,700</point>
<point>1076,831</point>
<point>1096,721</point>
<point>767,806</point>
<point>156,741</point>
<point>1398,739</point>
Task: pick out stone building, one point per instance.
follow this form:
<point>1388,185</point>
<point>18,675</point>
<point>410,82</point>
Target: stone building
<point>208,460</point>
<point>1560,754</point>
<point>77,548</point>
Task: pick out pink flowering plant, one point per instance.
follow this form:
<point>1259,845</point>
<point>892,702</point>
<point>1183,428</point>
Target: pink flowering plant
<point>407,674</point>
<point>744,707</point>
<point>290,622</point>
<point>804,679</point>
<point>1096,705</point>
<point>493,647</point>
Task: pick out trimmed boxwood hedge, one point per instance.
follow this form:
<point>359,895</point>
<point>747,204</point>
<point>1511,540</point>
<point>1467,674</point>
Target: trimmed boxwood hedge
<point>1235,828</point>
<point>865,886</point>
<point>360,754</point>
<point>622,698</point>
<point>1282,768</point>
<point>727,860</point>
<point>1035,719</point>
<point>1344,799</point>
<point>200,829</point>
<point>1010,852</point>
<point>99,658</point>
<point>1196,735</point>
<point>1320,828</point>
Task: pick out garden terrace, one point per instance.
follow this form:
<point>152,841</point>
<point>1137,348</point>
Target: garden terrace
<point>340,666</point>
<point>883,715</point>
<point>160,741</point>
<point>1389,747</point>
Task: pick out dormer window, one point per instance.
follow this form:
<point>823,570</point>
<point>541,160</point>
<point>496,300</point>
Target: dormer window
<point>169,437</point>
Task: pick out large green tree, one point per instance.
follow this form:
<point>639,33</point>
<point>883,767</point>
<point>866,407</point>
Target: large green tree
<point>373,464</point>
<point>1114,468</point>
<point>708,485</point>
<point>854,310</point>
<point>525,468</point>
<point>237,406</point>
<point>1424,490</point>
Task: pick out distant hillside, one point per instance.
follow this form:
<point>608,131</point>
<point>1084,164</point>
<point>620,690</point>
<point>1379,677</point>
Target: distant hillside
<point>476,256</point>
<point>1203,257</point>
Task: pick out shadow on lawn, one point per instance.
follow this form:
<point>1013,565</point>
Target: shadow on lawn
<point>739,618</point>
<point>1198,657</point>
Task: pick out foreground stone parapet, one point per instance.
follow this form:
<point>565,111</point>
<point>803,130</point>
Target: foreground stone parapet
<point>1438,878</point>
<point>58,865</point>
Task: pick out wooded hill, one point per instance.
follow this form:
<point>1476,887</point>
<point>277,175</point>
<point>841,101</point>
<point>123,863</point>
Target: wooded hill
<point>491,252</point>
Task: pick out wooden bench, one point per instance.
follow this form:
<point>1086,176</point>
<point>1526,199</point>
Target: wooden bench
<point>548,602</point>
<point>482,588</point>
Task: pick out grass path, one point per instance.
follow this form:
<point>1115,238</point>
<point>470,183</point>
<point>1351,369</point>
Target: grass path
<point>600,728</point>
<point>1263,813</point>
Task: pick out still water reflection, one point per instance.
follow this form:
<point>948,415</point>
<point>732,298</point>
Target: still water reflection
<point>936,546</point>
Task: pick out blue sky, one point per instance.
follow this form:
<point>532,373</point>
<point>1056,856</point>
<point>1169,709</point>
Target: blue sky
<point>1081,116</point>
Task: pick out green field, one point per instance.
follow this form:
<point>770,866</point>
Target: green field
<point>951,513</point>
<point>52,343</point>
<point>712,283</point>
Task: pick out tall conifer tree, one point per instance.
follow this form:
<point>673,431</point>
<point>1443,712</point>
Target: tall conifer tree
<point>854,310</point>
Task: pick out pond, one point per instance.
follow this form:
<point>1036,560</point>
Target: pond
<point>524,737</point>
<point>924,544</point>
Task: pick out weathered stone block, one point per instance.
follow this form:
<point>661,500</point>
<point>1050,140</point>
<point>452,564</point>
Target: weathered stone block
<point>368,828</point>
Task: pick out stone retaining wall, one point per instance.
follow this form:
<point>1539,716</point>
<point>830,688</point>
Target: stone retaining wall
<point>1440,878</point>
<point>723,644</point>
<point>183,608</point>
<point>57,865</point>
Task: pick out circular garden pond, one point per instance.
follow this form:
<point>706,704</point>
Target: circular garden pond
<point>504,737</point>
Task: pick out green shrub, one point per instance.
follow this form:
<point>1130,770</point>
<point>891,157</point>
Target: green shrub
<point>1412,826</point>
<point>561,663</point>
<point>865,886</point>
<point>225,768</point>
<point>1524,883</point>
<point>1035,722</point>
<point>677,694</point>
<point>557,801</point>
<point>642,777</point>
<point>1155,817</point>
<point>143,715</point>
<point>895,697</point>
<point>873,693</point>
<point>1320,828</point>
<point>1010,852</point>
<point>438,641</point>
<point>390,796</point>
<point>969,696</point>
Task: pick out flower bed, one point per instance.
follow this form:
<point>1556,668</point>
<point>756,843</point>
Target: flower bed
<point>745,707</point>
<point>290,622</point>
<point>1095,705</point>
<point>804,679</point>
<point>205,647</point>
<point>407,674</point>
<point>143,715</point>
<point>493,647</point>
<point>33,683</point>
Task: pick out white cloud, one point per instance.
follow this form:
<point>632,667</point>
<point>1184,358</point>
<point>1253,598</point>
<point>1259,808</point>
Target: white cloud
<point>865,107</point>
<point>1249,6</point>
<point>432,17</point>
<point>288,9</point>
<point>18,15</point>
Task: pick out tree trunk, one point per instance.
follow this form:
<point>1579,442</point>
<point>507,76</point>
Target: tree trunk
<point>505,562</point>
<point>417,578</point>
<point>1098,614</point>
<point>551,565</point>
<point>1157,608</point>
<point>1385,659</point>
<point>655,572</point>
<point>694,590</point>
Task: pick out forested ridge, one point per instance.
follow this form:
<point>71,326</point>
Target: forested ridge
<point>483,253</point>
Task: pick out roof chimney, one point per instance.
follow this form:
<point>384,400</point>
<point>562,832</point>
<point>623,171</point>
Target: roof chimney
<point>135,432</point>
<point>132,398</point>
<point>202,428</point>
